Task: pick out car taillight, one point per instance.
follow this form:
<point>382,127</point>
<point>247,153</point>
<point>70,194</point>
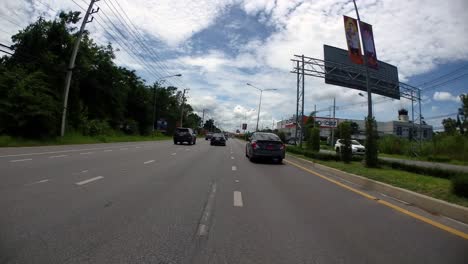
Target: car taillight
<point>282,146</point>
<point>254,145</point>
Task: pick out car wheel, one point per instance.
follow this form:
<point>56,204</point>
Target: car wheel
<point>279,161</point>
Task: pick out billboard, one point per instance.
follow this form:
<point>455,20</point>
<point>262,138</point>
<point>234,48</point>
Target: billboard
<point>341,71</point>
<point>325,122</point>
<point>369,45</point>
<point>352,39</point>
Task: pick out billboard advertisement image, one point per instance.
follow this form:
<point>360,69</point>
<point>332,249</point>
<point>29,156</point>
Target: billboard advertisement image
<point>369,45</point>
<point>352,39</point>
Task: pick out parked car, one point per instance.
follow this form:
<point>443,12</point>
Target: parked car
<point>208,135</point>
<point>356,147</point>
<point>218,139</point>
<point>183,134</point>
<point>265,145</point>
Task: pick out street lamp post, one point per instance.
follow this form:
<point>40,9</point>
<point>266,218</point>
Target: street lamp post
<point>154,96</point>
<point>260,102</point>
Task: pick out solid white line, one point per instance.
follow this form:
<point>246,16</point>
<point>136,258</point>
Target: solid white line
<point>149,161</point>
<point>238,199</point>
<point>203,226</point>
<point>20,160</point>
<point>55,152</point>
<point>59,156</point>
<point>108,150</point>
<point>41,181</point>
<point>89,180</point>
<point>234,168</point>
<point>86,153</point>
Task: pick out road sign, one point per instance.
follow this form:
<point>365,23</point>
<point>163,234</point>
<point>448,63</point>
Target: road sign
<point>244,126</point>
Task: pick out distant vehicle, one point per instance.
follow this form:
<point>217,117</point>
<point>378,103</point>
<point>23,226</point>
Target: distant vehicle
<point>218,139</point>
<point>208,135</point>
<point>291,141</point>
<point>183,134</point>
<point>265,145</point>
<point>356,147</point>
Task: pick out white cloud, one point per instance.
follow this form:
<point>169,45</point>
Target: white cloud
<point>434,108</point>
<point>445,96</point>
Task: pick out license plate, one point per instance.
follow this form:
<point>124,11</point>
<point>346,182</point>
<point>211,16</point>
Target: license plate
<point>269,147</point>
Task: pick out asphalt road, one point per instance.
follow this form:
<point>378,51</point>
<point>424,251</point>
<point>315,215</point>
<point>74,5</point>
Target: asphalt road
<point>156,202</point>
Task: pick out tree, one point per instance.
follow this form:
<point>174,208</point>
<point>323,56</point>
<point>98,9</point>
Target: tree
<point>313,141</point>
<point>354,128</point>
<point>450,126</point>
<point>345,149</point>
<point>209,125</point>
<point>371,143</point>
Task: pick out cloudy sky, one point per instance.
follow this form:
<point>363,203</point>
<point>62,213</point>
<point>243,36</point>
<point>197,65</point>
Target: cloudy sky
<point>219,46</point>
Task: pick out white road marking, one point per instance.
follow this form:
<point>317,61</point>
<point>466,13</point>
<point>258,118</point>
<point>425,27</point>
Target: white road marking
<point>237,181</point>
<point>393,198</point>
<point>108,150</point>
<point>89,180</point>
<point>58,156</point>
<point>56,152</point>
<point>20,160</point>
<point>137,147</point>
<point>86,153</point>
<point>84,171</point>
<point>238,199</point>
<point>232,157</point>
<point>123,148</point>
<point>187,149</point>
<point>203,227</point>
<point>41,181</point>
<point>149,161</point>
<point>173,154</point>
<point>234,168</point>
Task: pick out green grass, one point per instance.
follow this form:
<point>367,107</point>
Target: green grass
<point>398,156</point>
<point>7,141</point>
<point>431,186</point>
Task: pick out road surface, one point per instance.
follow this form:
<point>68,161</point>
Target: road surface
<point>155,202</point>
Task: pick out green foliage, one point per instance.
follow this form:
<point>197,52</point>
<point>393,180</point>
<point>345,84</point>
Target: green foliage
<point>450,126</point>
<point>435,172</point>
<point>371,159</point>
<point>317,155</point>
<point>313,141</point>
<point>282,136</point>
<point>103,96</point>
<point>345,150</point>
<point>460,185</point>
<point>392,144</point>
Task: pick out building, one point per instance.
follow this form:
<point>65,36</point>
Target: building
<point>402,127</point>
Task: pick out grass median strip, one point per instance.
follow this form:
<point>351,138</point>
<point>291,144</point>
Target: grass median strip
<point>431,186</point>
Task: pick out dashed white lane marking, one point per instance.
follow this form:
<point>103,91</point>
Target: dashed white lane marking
<point>86,153</point>
<point>232,158</point>
<point>149,161</point>
<point>84,171</point>
<point>234,168</point>
<point>58,156</point>
<point>41,181</point>
<point>187,149</point>
<point>173,154</point>
<point>89,180</point>
<point>137,147</point>
<point>238,199</point>
<point>203,226</point>
<point>20,160</point>
<point>236,180</point>
<point>108,150</point>
<point>123,148</point>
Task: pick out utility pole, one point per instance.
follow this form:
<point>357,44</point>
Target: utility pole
<point>333,130</point>
<point>315,113</point>
<point>182,107</point>
<point>203,117</point>
<point>71,63</point>
<point>302,109</point>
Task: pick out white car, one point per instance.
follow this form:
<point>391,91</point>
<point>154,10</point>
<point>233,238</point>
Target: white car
<point>356,147</point>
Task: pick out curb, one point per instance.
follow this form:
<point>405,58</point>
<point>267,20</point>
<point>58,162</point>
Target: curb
<point>432,205</point>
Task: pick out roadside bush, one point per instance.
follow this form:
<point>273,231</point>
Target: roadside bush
<point>371,144</point>
<point>282,136</point>
<point>313,141</point>
<point>318,155</point>
<point>96,128</point>
<point>436,172</point>
<point>460,185</point>
<point>346,153</point>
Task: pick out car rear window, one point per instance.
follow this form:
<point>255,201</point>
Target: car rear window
<point>182,130</point>
<point>267,137</point>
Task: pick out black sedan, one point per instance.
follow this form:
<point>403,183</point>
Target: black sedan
<point>265,145</point>
<point>218,139</point>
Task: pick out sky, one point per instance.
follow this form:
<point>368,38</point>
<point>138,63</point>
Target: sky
<point>219,46</point>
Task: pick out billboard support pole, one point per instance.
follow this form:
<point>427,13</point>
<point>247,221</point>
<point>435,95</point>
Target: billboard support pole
<point>302,96</point>
<point>333,129</point>
<point>420,119</point>
<point>297,103</point>
<point>369,94</point>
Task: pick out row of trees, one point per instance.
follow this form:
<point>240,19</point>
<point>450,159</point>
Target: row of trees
<point>460,124</point>
<point>104,98</point>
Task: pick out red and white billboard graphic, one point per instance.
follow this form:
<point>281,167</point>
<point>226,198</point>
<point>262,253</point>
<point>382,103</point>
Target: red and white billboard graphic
<point>325,122</point>
<point>352,39</point>
<point>369,45</point>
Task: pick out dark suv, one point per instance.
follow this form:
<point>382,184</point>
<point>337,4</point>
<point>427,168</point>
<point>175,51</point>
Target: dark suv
<point>183,134</point>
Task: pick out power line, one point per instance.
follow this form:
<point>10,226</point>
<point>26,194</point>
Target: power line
<point>443,83</point>
<point>133,34</point>
<point>441,116</point>
<point>443,76</point>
